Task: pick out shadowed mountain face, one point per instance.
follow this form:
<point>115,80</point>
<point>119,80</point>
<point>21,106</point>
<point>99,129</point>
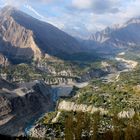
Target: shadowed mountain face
<point>23,37</point>
<point>20,104</point>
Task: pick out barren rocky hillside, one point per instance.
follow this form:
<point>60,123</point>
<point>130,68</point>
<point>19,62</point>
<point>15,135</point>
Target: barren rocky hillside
<point>20,105</point>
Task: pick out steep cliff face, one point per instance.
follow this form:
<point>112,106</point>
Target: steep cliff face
<point>20,105</point>
<point>16,42</point>
<point>71,106</point>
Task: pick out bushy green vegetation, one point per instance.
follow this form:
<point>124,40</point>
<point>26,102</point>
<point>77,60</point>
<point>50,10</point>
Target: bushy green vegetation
<point>22,72</point>
<point>115,97</point>
<point>86,126</point>
<point>50,70</point>
<point>106,95</point>
<point>130,78</point>
<point>133,55</point>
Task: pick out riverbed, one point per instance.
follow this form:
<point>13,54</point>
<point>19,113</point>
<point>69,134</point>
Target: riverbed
<point>128,65</point>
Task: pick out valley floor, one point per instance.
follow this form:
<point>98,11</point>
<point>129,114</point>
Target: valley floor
<point>73,105</point>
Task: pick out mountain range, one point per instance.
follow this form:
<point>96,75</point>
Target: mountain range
<point>120,36</point>
<point>24,38</point>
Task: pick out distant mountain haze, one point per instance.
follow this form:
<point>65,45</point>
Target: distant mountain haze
<point>120,36</point>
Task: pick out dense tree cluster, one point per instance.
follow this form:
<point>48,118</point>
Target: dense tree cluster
<point>83,126</point>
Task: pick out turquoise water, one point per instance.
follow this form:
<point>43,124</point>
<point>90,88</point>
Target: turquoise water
<point>32,123</point>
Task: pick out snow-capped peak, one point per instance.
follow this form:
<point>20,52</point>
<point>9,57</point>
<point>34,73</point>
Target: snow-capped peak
<point>132,21</point>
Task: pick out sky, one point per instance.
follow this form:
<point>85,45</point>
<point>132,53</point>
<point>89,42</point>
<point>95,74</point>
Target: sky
<point>80,18</point>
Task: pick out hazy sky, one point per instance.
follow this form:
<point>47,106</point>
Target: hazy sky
<point>79,17</point>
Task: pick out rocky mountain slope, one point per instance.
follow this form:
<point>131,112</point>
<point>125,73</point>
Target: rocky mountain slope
<point>16,42</point>
<point>121,36</point>
<point>23,37</point>
<point>20,104</point>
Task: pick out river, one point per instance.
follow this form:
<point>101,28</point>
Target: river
<point>128,65</point>
<point>58,91</point>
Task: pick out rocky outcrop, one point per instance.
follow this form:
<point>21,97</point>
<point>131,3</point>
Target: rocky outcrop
<point>5,106</point>
<point>3,61</point>
<point>127,114</point>
<point>112,69</point>
<point>38,131</point>
<point>105,69</point>
<point>93,73</point>
<point>72,106</point>
<point>20,105</point>
<point>5,84</point>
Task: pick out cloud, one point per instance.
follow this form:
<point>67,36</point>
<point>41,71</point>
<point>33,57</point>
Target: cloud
<point>21,2</point>
<point>13,2</point>
<point>97,6</point>
<point>53,21</point>
<point>83,17</point>
<point>105,6</point>
<point>34,11</point>
<point>82,4</point>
